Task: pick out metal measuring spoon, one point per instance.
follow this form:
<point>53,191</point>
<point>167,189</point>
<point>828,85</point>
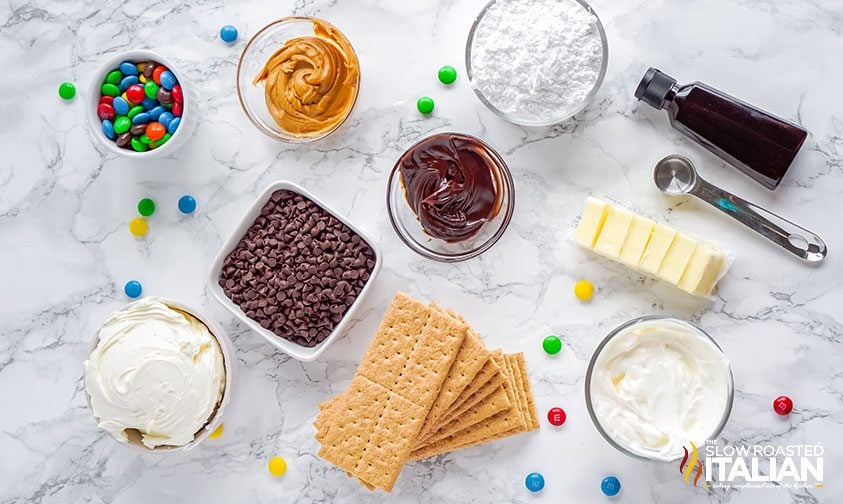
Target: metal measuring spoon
<point>675,176</point>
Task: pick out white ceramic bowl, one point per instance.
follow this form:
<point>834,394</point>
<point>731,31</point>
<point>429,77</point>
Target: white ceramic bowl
<point>292,349</point>
<point>189,113</point>
<point>229,361</point>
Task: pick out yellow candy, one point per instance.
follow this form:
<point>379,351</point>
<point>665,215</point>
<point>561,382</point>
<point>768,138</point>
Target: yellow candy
<point>138,226</point>
<point>141,67</point>
<point>124,97</point>
<point>583,290</point>
<point>142,78</point>
<point>216,434</point>
<point>277,466</point>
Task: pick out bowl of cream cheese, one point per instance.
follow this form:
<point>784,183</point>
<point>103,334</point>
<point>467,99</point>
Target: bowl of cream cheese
<point>159,375</point>
<point>655,385</point>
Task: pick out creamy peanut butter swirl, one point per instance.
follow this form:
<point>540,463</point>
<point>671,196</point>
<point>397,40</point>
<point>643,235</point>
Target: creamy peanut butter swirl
<point>311,82</point>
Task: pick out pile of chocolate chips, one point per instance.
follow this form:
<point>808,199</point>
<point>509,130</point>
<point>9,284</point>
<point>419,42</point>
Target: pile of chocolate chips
<point>297,270</point>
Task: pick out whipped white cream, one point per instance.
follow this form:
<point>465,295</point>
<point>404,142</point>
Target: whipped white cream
<point>659,384</point>
<point>156,370</point>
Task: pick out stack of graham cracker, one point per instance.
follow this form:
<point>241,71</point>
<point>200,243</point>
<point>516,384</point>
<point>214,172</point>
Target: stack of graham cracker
<point>427,385</point>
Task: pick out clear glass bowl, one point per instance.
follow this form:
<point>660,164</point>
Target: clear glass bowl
<point>409,230</point>
<point>258,50</point>
<point>562,115</point>
<point>727,411</point>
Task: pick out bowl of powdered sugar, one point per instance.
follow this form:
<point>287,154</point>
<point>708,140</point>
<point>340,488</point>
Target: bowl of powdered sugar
<point>536,62</point>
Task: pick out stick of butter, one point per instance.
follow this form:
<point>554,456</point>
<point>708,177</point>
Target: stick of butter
<point>649,247</point>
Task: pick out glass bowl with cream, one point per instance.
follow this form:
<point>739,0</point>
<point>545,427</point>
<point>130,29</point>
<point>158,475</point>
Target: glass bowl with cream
<point>656,384</point>
<point>298,79</point>
<point>159,375</point>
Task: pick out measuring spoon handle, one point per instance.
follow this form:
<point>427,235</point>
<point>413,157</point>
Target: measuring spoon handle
<point>795,239</point>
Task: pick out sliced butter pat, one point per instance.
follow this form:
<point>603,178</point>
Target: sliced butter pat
<point>677,258</point>
<point>702,271</point>
<point>591,222</point>
<point>614,232</point>
<point>636,240</point>
<point>656,250</point>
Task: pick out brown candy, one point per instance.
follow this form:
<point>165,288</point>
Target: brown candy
<point>124,140</point>
<point>147,71</point>
<point>164,97</point>
<point>137,129</point>
<point>297,270</point>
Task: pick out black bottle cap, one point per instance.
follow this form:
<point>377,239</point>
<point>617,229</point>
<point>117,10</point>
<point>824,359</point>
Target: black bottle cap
<point>654,88</point>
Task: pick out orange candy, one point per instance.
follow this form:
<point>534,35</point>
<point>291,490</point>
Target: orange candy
<point>156,74</point>
<point>155,131</point>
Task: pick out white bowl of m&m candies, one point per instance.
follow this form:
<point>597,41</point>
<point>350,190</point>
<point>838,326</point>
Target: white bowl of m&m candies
<point>140,105</point>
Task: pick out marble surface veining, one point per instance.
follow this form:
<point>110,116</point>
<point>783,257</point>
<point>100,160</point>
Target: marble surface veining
<point>66,250</point>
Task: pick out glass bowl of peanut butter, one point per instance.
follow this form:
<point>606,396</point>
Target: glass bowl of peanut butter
<point>298,79</point>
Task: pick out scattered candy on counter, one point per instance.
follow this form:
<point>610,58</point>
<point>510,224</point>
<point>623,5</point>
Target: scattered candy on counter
<point>187,204</point>
<point>425,105</point>
<point>228,33</point>
<point>140,105</point>
<point>583,290</point>
<point>783,405</point>
<point>610,486</point>
<point>534,482</point>
<point>216,434</point>
<point>556,416</point>
<point>447,74</point>
<point>146,207</point>
<point>277,466</point>
<point>138,226</point>
<point>552,344</point>
<point>133,289</point>
<point>67,90</point>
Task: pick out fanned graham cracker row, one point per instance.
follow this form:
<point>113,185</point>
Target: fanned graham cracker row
<point>528,391</point>
<point>371,430</point>
<point>494,403</point>
<point>490,371</point>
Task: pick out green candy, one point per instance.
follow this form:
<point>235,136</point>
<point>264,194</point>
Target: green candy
<point>114,77</point>
<point>151,89</point>
<point>145,139</point>
<point>122,124</point>
<point>109,89</point>
<point>552,344</point>
<point>138,145</point>
<point>164,138</point>
<point>447,74</point>
<point>67,91</point>
<point>137,109</point>
<point>146,207</point>
<point>425,105</point>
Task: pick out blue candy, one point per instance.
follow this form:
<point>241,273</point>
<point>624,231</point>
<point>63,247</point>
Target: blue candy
<point>187,204</point>
<point>610,486</point>
<point>156,112</point>
<point>108,129</point>
<point>149,103</point>
<point>121,106</point>
<point>141,118</point>
<point>133,289</point>
<point>128,68</point>
<point>174,125</point>
<point>228,33</point>
<point>168,80</point>
<point>534,482</point>
<point>165,118</point>
<point>128,81</point>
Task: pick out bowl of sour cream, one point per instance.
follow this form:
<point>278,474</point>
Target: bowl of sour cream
<point>655,385</point>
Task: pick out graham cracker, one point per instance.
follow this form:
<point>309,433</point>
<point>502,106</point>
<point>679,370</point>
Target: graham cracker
<point>371,431</point>
<point>528,391</point>
<point>494,403</point>
<point>489,371</point>
<point>518,388</point>
<point>489,388</point>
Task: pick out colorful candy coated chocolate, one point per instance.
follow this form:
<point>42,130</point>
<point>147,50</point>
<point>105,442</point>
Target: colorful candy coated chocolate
<point>447,74</point>
<point>156,112</point>
<point>138,225</point>
<point>129,68</point>
<point>114,77</point>
<point>151,90</point>
<point>610,486</point>
<point>108,129</point>
<point>110,90</point>
<point>552,344</point>
<point>149,103</point>
<point>107,99</point>
<point>148,69</point>
<point>135,94</point>
<point>556,416</point>
<point>141,118</point>
<point>277,466</point>
<point>174,125</point>
<point>783,405</point>
<point>137,109</point>
<point>187,204</point>
<point>425,105</point>
<point>583,290</point>
<point>138,145</point>
<point>156,73</point>
<point>165,118</point>
<point>534,482</point>
<point>137,129</point>
<point>228,33</point>
<point>145,139</point>
<point>177,109</point>
<point>121,106</point>
<point>105,111</point>
<point>164,96</point>
<point>67,91</point>
<point>122,125</point>
<point>124,140</point>
<point>177,93</point>
<point>128,81</point>
<point>146,207</point>
<point>133,288</point>
<point>155,131</point>
<point>168,80</point>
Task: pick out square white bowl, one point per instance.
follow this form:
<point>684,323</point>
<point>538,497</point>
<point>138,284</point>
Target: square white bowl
<point>292,349</point>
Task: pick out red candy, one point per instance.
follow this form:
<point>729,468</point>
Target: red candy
<point>556,416</point>
<point>156,74</point>
<point>155,131</point>
<point>177,94</point>
<point>135,94</point>
<point>177,108</point>
<point>105,111</point>
<point>108,100</point>
<point>783,405</point>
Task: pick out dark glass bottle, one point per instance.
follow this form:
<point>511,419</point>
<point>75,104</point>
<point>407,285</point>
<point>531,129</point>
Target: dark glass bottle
<point>758,143</point>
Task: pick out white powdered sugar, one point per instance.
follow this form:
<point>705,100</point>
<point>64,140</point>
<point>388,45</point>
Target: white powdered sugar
<point>536,60</point>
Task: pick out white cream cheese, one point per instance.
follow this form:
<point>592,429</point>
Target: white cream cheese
<point>659,384</point>
<point>156,370</point>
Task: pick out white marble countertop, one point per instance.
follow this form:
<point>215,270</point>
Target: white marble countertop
<point>64,206</point>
